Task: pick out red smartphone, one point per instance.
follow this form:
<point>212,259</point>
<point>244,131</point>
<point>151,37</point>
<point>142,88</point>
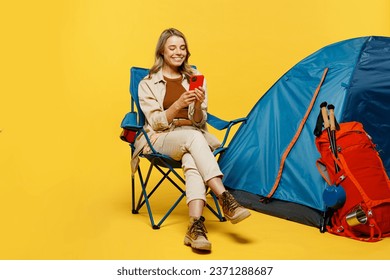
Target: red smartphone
<point>196,81</point>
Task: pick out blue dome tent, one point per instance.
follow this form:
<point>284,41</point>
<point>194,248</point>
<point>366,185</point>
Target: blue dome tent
<point>273,155</point>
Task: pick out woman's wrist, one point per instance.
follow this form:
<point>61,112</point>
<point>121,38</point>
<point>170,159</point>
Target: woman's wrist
<point>198,106</point>
<point>176,106</point>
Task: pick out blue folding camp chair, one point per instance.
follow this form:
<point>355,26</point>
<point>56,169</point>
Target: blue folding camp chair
<point>132,125</point>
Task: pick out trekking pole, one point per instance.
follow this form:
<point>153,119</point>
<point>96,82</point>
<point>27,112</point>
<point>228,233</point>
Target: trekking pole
<point>334,197</point>
<point>327,127</point>
<point>328,211</point>
<point>332,121</point>
<point>325,119</point>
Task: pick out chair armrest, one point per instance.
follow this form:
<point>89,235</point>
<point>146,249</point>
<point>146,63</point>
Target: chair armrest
<point>130,128</point>
<point>216,122</point>
<point>220,124</point>
<point>130,122</point>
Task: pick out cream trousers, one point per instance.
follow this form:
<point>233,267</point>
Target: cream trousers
<point>188,144</point>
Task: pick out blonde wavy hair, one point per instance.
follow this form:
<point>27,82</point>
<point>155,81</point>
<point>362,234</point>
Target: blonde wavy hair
<point>185,68</point>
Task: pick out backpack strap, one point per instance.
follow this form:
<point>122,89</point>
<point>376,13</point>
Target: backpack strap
<point>375,231</point>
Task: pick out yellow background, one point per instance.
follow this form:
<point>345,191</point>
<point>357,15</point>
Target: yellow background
<point>64,173</point>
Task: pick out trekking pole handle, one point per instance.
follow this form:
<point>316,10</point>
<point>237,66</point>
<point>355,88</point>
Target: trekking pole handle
<point>331,117</point>
<point>324,113</point>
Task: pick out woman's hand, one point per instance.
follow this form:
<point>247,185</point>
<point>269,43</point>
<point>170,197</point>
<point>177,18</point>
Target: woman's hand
<point>200,96</point>
<point>197,96</point>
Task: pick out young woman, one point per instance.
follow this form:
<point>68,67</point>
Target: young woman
<point>176,123</point>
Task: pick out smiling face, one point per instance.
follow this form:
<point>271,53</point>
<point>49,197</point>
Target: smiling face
<point>174,52</point>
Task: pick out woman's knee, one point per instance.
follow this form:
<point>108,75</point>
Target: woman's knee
<point>194,135</point>
<point>196,139</point>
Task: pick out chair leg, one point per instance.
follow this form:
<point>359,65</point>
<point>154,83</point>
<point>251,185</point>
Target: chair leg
<point>146,199</point>
<point>133,210</point>
<point>217,212</point>
<point>166,176</point>
<point>144,195</point>
<point>170,210</point>
<point>142,202</point>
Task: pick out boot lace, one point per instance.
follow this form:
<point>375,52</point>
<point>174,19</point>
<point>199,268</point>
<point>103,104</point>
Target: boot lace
<point>229,203</point>
<point>198,228</point>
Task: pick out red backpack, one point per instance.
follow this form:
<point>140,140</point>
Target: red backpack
<point>365,214</point>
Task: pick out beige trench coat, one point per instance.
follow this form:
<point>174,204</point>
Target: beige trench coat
<point>151,93</point>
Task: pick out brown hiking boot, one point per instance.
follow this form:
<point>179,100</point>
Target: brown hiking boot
<point>232,210</point>
<point>196,235</point>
